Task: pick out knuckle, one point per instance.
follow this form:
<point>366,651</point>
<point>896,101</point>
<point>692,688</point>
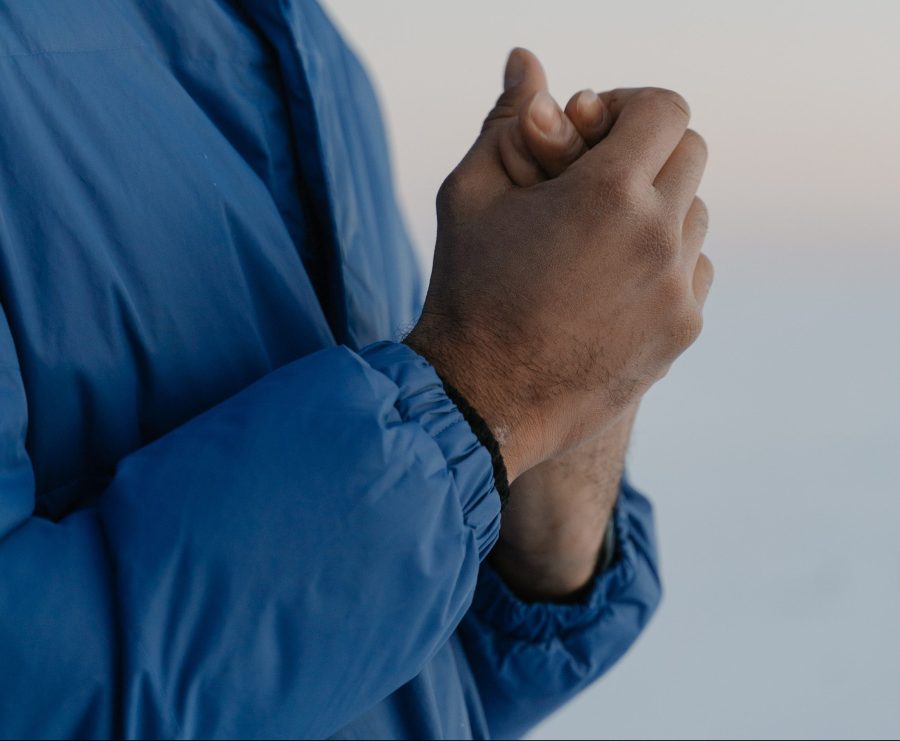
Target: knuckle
<point>452,190</point>
<point>700,215</point>
<point>609,195</point>
<point>676,101</point>
<point>661,242</point>
<point>706,270</point>
<point>686,328</point>
<point>504,109</point>
<point>673,292</point>
<point>625,188</point>
<point>647,93</point>
<point>508,100</point>
<point>669,99</point>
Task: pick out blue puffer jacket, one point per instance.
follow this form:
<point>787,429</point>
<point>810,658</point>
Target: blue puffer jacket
<point>229,506</point>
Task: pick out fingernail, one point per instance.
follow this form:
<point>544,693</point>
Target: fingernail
<point>515,69</point>
<point>588,105</point>
<point>545,113</point>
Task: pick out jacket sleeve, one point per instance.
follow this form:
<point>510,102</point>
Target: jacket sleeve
<point>272,568</point>
<point>528,659</point>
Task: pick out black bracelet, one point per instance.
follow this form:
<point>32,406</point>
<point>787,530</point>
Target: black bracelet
<point>485,437</point>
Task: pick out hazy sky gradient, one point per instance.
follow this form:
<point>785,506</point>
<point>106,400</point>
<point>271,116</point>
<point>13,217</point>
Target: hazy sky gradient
<point>772,450</point>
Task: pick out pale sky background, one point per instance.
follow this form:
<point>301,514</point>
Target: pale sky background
<point>772,450</point>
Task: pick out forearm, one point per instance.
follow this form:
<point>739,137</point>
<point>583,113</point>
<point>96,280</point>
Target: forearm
<point>529,658</point>
<point>553,528</point>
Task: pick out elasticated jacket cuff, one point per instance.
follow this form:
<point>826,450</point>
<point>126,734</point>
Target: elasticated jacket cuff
<point>540,622</point>
<point>422,399</point>
<point>531,658</point>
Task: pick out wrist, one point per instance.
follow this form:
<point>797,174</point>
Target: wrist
<point>547,575</point>
<point>552,536</point>
<point>469,366</point>
<point>485,436</point>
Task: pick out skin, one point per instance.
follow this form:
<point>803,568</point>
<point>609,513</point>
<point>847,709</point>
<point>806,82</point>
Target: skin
<point>567,279</point>
<point>553,528</point>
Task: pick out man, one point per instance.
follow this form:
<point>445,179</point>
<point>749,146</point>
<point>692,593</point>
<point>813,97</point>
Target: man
<point>227,506</point>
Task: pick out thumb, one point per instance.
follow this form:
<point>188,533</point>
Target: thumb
<point>523,77</point>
